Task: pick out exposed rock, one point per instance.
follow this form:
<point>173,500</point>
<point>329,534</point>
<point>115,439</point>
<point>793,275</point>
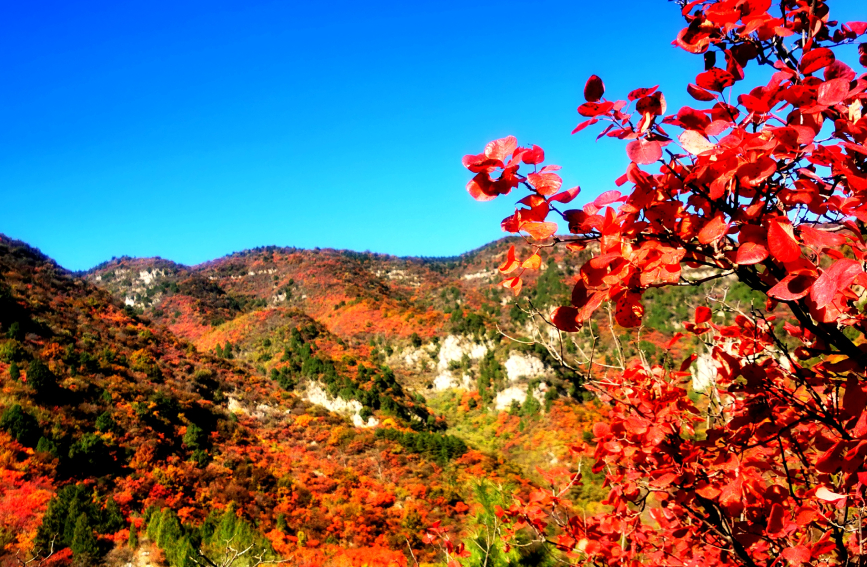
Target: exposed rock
<point>518,393</point>
<point>487,274</point>
<point>446,380</point>
<point>236,407</point>
<point>352,408</point>
<point>454,348</point>
<point>521,365</point>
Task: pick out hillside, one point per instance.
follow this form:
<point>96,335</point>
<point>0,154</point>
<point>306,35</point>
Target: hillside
<point>451,335</point>
<point>331,404</point>
<point>110,421</point>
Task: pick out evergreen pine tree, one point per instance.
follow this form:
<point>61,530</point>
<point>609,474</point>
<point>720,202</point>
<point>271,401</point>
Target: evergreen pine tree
<point>14,372</point>
<point>39,377</point>
<point>133,536</point>
<point>20,425</point>
<point>84,544</point>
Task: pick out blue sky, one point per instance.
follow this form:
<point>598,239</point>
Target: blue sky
<point>189,130</point>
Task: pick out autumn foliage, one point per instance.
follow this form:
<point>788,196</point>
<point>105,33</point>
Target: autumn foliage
<point>764,183</point>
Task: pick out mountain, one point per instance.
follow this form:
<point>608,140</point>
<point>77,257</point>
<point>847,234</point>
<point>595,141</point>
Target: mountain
<point>110,420</point>
<point>322,405</point>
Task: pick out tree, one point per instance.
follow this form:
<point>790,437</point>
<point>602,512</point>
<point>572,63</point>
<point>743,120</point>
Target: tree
<point>767,185</point>
<point>14,372</point>
<point>14,331</point>
<point>104,422</point>
<point>132,542</point>
<point>40,378</point>
<point>20,425</point>
<point>84,545</point>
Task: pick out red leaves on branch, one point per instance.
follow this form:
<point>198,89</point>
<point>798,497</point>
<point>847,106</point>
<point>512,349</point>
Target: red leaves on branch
<point>771,465</point>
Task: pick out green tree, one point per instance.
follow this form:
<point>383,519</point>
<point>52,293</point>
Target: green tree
<point>14,372</point>
<point>20,425</point>
<point>46,445</point>
<point>40,378</point>
<point>132,542</point>
<point>14,332</point>
<point>415,340</point>
<point>89,454</point>
<point>105,422</point>
<point>112,518</point>
<point>84,545</point>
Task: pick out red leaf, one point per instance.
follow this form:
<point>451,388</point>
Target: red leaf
<point>839,70</point>
<point>639,93</point>
<point>532,263</point>
<point>607,198</point>
<point>839,276</point>
<point>594,88</point>
<point>775,519</point>
<point>798,554</point>
<point>510,264</point>
<point>782,242</point>
<point>513,284</point>
<point>715,79</point>
<point>590,109</point>
<point>566,319</point>
<point>816,59</point>
<point>643,152</point>
<point>833,91</point>
<point>672,341</point>
<point>792,287</point>
<point>545,183</point>
<point>694,143</point>
<point>565,196</point>
<point>751,174</point>
<point>751,253</point>
<point>629,310</point>
<point>713,230</point>
<point>499,149</point>
<point>702,314</point>
<point>478,189</point>
<point>699,93</point>
<point>585,124</point>
<point>533,156</point>
<point>823,493</point>
<point>539,230</point>
<point>821,239</point>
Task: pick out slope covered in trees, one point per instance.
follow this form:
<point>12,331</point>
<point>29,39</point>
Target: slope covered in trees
<point>109,422</point>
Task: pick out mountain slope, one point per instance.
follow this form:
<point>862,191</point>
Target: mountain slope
<point>94,397</point>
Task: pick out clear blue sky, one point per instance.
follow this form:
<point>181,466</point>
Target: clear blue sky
<point>190,130</point>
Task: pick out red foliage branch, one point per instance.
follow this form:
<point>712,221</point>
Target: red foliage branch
<point>771,190</point>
